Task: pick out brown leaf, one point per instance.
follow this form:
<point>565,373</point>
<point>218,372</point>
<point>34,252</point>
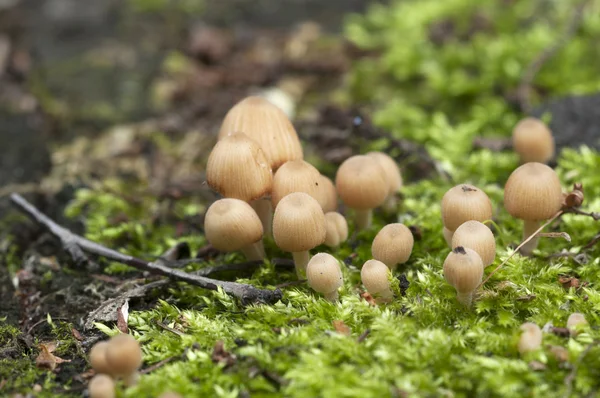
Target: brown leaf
<point>341,328</point>
<point>221,356</point>
<point>47,360</point>
<point>369,299</point>
<point>76,334</point>
<point>122,316</point>
<point>568,282</point>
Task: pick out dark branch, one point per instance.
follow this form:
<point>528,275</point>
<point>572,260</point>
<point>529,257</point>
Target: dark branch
<point>76,245</point>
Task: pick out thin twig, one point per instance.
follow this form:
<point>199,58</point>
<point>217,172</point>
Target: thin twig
<point>75,245</point>
<point>170,329</point>
<point>157,365</point>
<point>524,89</point>
<point>592,242</point>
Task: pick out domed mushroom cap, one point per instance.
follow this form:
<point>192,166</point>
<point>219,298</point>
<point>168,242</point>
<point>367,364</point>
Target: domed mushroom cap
<point>328,195</point>
<point>238,168</point>
<point>476,236</point>
<point>361,183</point>
<point>533,140</point>
<point>298,223</point>
<point>268,126</point>
<point>336,228</point>
<point>393,244</point>
<point>375,276</point>
<point>101,386</point>
<point>231,224</point>
<point>123,354</point>
<point>324,273</point>
<point>465,202</point>
<point>463,269</point>
<point>575,321</point>
<point>296,176</point>
<point>98,357</point>
<point>391,169</point>
<point>533,192</point>
<point>531,338</point>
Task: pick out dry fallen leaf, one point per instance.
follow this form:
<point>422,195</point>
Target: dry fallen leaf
<point>341,328</point>
<point>122,317</point>
<point>47,360</point>
<point>369,299</point>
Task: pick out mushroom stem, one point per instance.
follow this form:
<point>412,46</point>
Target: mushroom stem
<point>264,210</point>
<point>362,218</point>
<point>131,379</point>
<point>255,251</point>
<point>384,296</point>
<point>332,296</point>
<point>465,298</point>
<point>529,228</point>
<point>448,236</point>
<point>301,260</point>
<point>391,204</point>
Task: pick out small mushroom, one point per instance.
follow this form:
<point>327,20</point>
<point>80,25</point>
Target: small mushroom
<point>329,195</point>
<point>298,226</point>
<point>462,203</point>
<point>231,224</point>
<point>101,386</point>
<point>532,194</point>
<point>98,357</point>
<point>531,338</point>
<point>124,356</point>
<point>576,322</point>
<point>393,245</point>
<point>296,176</point>
<point>393,177</point>
<point>463,269</point>
<point>362,185</point>
<point>533,141</point>
<point>266,124</point>
<point>476,236</point>
<point>336,229</point>
<point>375,277</point>
<point>325,275</point>
<point>170,395</point>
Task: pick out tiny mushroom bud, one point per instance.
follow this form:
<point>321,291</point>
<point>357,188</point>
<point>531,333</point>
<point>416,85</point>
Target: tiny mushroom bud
<point>98,357</point>
<point>336,229</point>
<point>375,277</point>
<point>462,203</point>
<point>393,245</point>
<point>361,184</point>
<point>298,226</point>
<point>266,124</point>
<point>170,395</point>
<point>476,236</point>
<point>329,201</point>
<point>101,386</point>
<point>231,224</point>
<point>463,269</point>
<point>124,356</point>
<point>532,194</point>
<point>531,338</point>
<point>393,177</point>
<point>296,176</point>
<point>533,141</point>
<point>575,322</point>
<point>325,275</point>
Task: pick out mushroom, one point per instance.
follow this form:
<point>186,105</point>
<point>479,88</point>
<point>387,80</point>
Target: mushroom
<point>329,195</point>
<point>361,184</point>
<point>231,224</point>
<point>170,394</point>
<point>124,356</point>
<point>325,275</point>
<point>268,126</point>
<point>462,203</point>
<point>393,177</point>
<point>98,357</point>
<point>101,386</point>
<point>531,338</point>
<point>476,236</point>
<point>238,168</point>
<point>298,226</point>
<point>533,141</point>
<point>296,176</point>
<point>532,194</point>
<point>463,269</point>
<point>375,277</point>
<point>336,229</point>
<point>393,245</point>
<point>575,322</point>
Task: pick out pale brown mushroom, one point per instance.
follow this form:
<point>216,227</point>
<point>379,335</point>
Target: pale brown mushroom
<point>325,275</point>
<point>576,322</point>
<point>393,177</point>
<point>533,141</point>
<point>98,357</point>
<point>124,356</point>
<point>393,245</point>
<point>329,195</point>
<point>296,176</point>
<point>336,229</point>
<point>462,203</point>
<point>476,236</point>
<point>463,269</point>
<point>101,386</point>
<point>531,338</point>
<point>375,276</point>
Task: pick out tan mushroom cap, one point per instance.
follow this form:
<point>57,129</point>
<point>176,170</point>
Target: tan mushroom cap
<point>393,245</point>
<point>531,338</point>
<point>336,229</point>
<point>324,273</point>
<point>238,168</point>
<point>391,169</point>
<point>170,395</point>
<point>465,202</point>
<point>361,183</point>
<point>375,277</point>
<point>576,320</point>
<point>231,224</point>
<point>124,354</point>
<point>329,195</point>
<point>101,386</point>
<point>533,141</point>
<point>268,125</point>
<point>476,236</point>
<point>298,223</point>
<point>463,269</point>
<point>98,357</point>
<point>296,176</point>
<point>533,192</point>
